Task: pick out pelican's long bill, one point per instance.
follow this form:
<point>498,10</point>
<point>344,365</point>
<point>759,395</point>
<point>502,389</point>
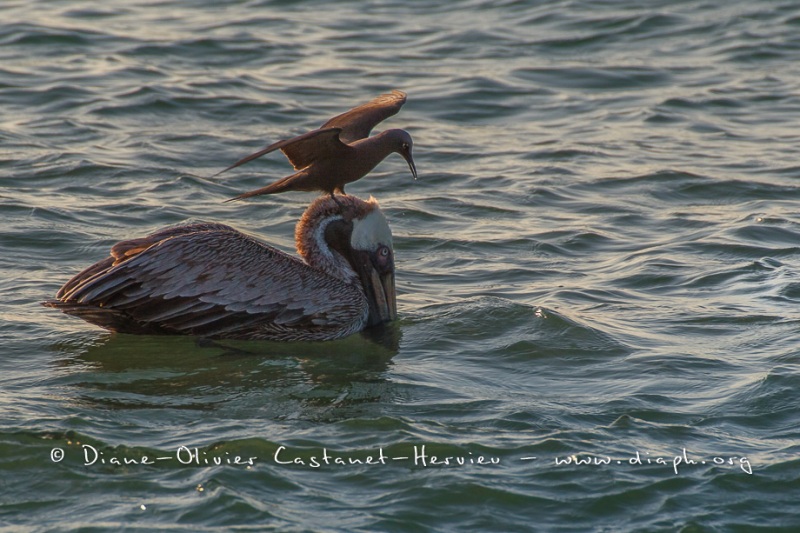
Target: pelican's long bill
<point>378,282</point>
<point>372,257</point>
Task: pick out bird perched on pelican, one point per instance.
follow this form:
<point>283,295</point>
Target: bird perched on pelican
<point>211,280</point>
<point>340,151</point>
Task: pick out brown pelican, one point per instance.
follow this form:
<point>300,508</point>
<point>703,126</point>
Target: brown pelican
<point>340,151</point>
<point>213,281</point>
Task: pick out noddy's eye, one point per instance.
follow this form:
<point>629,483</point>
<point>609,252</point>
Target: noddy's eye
<point>406,146</point>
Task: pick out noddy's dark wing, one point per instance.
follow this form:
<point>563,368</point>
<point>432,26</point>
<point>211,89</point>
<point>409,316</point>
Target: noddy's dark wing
<point>301,149</point>
<point>359,121</point>
<point>315,145</point>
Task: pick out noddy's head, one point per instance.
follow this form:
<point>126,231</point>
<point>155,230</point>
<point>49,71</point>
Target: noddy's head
<point>402,144</point>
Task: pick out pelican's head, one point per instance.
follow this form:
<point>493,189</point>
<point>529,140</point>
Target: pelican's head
<point>358,232</point>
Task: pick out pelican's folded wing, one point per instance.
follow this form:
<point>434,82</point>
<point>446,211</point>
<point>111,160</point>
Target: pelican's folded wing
<point>213,281</point>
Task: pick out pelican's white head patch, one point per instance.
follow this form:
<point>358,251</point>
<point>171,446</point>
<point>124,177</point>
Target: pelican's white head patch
<point>370,231</point>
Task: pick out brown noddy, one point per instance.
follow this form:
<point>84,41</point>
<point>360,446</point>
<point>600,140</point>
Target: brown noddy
<point>340,151</point>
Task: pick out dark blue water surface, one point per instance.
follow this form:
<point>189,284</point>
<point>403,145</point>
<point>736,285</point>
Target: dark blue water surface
<point>598,269</point>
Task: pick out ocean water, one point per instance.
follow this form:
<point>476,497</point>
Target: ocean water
<point>598,268</point>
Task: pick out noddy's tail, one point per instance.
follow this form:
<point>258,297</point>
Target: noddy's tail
<point>284,184</point>
<point>271,148</point>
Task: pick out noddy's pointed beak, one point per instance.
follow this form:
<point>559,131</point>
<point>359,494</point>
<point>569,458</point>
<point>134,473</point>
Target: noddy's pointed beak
<point>410,160</point>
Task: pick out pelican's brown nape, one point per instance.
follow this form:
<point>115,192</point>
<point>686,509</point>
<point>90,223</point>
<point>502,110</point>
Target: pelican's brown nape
<point>213,281</point>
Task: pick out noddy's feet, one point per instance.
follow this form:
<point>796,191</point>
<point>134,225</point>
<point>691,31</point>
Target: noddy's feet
<point>333,197</point>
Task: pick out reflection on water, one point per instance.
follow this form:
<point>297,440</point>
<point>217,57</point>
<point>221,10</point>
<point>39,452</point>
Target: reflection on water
<point>125,371</point>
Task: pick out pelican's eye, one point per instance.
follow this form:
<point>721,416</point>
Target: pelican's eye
<point>383,258</point>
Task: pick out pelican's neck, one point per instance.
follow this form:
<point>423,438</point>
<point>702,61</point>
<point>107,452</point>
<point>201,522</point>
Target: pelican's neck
<point>310,234</point>
<point>317,253</point>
